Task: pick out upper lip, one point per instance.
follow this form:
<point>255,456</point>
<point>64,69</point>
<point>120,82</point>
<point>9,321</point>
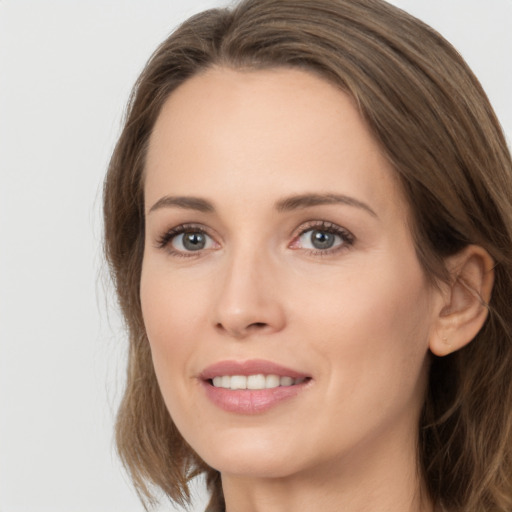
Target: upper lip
<point>249,367</point>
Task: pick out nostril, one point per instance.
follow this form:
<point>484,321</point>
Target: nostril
<point>242,330</point>
<point>257,325</point>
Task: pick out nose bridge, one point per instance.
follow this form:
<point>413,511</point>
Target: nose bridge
<point>247,299</point>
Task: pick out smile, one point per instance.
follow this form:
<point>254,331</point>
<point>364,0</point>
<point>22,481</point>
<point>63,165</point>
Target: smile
<point>253,386</point>
<point>254,382</point>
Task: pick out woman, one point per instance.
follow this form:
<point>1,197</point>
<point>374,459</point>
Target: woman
<point>308,219</point>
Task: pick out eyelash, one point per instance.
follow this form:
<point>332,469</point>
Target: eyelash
<point>347,238</point>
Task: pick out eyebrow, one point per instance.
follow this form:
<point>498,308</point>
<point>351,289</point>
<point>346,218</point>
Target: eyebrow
<point>296,202</point>
<point>307,200</point>
<point>183,202</point>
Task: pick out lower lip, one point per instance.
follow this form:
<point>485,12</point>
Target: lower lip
<point>248,401</point>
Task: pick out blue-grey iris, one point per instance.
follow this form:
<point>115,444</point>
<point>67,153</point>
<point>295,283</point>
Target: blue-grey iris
<point>322,239</point>
<point>194,241</point>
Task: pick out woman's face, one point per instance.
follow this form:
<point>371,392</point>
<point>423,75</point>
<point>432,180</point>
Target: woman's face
<point>278,254</point>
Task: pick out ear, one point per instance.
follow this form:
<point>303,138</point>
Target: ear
<point>463,307</point>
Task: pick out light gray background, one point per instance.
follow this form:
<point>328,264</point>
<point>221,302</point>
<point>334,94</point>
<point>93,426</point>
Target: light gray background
<point>66,68</point>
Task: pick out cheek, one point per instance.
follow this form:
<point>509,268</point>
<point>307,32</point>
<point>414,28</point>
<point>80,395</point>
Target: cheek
<point>381,297</point>
<point>172,317</point>
<point>373,331</point>
<point>173,313</point>
<point>173,302</point>
<point>167,308</point>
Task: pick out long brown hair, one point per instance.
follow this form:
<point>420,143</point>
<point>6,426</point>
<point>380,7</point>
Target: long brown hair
<point>434,122</point>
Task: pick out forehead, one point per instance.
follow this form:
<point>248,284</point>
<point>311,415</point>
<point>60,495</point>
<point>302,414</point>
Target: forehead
<point>279,130</point>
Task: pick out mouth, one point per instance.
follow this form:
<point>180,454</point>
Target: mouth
<point>251,387</point>
<point>255,382</point>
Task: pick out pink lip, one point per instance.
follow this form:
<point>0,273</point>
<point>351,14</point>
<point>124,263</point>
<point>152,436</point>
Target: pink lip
<point>251,367</point>
<point>247,401</point>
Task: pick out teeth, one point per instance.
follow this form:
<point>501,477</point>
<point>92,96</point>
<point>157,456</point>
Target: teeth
<point>286,381</point>
<point>272,381</point>
<point>258,381</point>
<point>238,382</point>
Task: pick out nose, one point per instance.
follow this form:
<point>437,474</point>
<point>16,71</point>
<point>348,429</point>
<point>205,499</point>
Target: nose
<point>248,300</point>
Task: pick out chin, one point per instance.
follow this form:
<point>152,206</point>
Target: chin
<point>254,465</point>
<point>249,454</point>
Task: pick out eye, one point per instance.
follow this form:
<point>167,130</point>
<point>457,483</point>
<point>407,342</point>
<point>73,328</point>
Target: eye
<point>191,241</point>
<point>318,239</point>
<point>323,238</point>
<point>184,240</point>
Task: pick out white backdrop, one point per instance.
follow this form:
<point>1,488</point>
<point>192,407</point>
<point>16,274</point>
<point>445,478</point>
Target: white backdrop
<point>66,68</point>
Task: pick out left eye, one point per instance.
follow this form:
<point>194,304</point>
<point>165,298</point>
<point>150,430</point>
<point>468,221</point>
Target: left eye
<point>190,241</point>
<point>320,239</point>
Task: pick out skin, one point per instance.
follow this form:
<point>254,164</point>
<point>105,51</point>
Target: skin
<point>357,319</point>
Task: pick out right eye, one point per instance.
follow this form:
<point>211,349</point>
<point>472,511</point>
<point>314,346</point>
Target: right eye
<point>186,240</point>
<point>191,241</point>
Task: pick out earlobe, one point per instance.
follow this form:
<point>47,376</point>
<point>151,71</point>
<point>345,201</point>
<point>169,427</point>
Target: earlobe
<point>465,300</point>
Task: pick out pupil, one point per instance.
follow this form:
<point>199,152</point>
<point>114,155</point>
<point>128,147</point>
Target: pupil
<point>322,239</point>
<point>194,241</point>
